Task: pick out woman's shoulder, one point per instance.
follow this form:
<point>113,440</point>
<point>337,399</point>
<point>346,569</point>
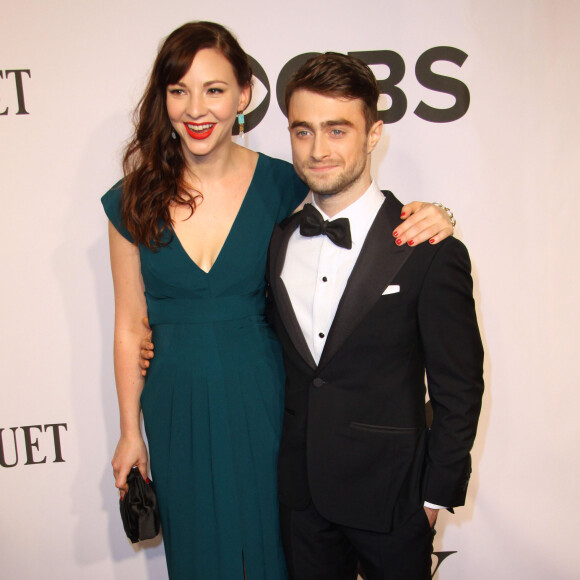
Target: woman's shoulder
<point>279,177</point>
<point>112,205</point>
<point>282,172</point>
<point>276,165</point>
<point>113,196</point>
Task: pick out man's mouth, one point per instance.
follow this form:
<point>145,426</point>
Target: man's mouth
<point>199,130</point>
<point>322,168</point>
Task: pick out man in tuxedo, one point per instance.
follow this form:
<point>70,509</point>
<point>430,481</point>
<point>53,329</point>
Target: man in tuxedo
<point>361,320</point>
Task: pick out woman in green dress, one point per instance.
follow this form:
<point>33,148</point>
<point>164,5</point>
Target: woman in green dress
<point>189,230</point>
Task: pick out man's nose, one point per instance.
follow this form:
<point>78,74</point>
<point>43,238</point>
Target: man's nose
<point>320,148</point>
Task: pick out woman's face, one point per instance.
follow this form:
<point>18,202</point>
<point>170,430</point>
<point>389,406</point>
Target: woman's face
<point>203,105</point>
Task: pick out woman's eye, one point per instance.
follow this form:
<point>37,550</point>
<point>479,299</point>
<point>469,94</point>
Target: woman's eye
<point>215,91</point>
<point>176,91</point>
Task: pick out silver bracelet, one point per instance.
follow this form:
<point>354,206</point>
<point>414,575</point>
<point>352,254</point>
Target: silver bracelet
<point>448,212</point>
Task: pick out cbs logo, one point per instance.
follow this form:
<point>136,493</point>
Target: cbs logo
<point>389,86</point>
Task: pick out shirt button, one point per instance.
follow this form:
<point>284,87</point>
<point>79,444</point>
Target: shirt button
<point>321,334</point>
<point>324,279</point>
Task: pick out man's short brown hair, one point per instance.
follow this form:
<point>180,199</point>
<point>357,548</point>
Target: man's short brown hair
<point>337,75</point>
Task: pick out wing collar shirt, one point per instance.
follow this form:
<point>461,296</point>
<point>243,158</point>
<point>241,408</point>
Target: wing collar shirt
<point>316,271</point>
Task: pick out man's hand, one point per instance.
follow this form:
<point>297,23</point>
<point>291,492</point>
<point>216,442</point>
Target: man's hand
<point>146,348</point>
<point>431,515</point>
<point>423,221</point>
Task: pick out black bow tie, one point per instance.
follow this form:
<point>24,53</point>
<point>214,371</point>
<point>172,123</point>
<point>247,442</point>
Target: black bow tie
<point>312,224</point>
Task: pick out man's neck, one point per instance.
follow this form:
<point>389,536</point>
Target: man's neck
<point>336,202</point>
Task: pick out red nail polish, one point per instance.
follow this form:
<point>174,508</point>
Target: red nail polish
<point>147,480</point>
<point>432,241</point>
<point>403,214</point>
<point>411,242</point>
<point>395,234</point>
<point>398,242</point>
<point>122,496</point>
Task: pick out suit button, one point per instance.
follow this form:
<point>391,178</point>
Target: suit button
<point>318,382</point>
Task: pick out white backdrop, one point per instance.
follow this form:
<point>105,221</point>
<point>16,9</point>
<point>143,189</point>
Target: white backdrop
<point>509,169</point>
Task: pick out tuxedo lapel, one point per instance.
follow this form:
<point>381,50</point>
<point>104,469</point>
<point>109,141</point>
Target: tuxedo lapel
<point>378,263</point>
<point>278,248</point>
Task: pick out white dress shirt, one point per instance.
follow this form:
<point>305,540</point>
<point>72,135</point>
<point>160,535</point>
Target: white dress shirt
<point>316,271</point>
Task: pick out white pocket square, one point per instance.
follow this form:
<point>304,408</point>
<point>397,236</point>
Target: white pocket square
<point>393,289</point>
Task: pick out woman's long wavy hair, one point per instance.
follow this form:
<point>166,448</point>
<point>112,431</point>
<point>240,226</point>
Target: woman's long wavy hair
<point>154,164</point>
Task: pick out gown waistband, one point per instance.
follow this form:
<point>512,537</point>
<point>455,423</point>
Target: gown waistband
<point>200,310</point>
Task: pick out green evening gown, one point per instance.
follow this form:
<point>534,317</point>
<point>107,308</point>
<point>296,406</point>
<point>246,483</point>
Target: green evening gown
<point>213,398</point>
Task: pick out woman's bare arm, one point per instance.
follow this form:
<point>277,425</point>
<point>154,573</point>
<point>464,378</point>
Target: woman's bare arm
<point>130,308</point>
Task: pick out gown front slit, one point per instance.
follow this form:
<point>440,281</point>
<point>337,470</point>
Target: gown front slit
<point>213,397</point>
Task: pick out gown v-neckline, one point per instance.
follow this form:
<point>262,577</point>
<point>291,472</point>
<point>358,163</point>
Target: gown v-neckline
<point>232,226</point>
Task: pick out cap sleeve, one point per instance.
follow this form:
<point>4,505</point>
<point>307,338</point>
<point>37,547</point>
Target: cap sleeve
<point>112,205</point>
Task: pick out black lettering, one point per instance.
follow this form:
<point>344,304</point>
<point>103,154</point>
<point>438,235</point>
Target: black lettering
<point>440,557</point>
<point>3,461</point>
<point>442,84</point>
<point>388,86</point>
<point>5,112</point>
<point>19,89</point>
<point>290,67</point>
<point>56,435</point>
<point>29,444</point>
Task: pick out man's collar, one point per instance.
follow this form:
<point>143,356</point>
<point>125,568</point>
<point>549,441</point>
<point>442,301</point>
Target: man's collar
<point>360,213</point>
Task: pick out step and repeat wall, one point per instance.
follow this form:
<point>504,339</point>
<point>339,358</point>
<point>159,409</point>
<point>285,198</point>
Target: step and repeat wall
<point>480,103</point>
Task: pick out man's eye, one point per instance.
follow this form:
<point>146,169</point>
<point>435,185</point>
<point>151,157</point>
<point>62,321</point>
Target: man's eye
<point>302,133</point>
<point>337,132</point>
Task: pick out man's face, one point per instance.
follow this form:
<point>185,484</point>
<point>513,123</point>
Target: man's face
<point>330,144</point>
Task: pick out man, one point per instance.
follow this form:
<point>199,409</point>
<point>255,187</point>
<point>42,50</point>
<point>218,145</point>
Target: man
<point>361,320</point>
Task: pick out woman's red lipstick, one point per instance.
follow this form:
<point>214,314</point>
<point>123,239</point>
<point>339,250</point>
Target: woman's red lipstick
<point>199,130</point>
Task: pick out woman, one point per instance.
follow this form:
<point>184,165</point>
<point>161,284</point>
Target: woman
<point>189,232</point>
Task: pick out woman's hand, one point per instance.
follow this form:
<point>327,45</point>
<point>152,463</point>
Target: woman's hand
<point>130,452</point>
<point>423,221</point>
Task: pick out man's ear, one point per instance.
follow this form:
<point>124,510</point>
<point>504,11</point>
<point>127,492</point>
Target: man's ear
<point>374,135</point>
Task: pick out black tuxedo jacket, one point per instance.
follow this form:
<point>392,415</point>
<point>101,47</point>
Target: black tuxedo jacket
<point>355,440</point>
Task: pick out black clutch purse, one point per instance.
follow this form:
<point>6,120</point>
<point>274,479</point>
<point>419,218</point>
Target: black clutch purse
<point>139,510</point>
